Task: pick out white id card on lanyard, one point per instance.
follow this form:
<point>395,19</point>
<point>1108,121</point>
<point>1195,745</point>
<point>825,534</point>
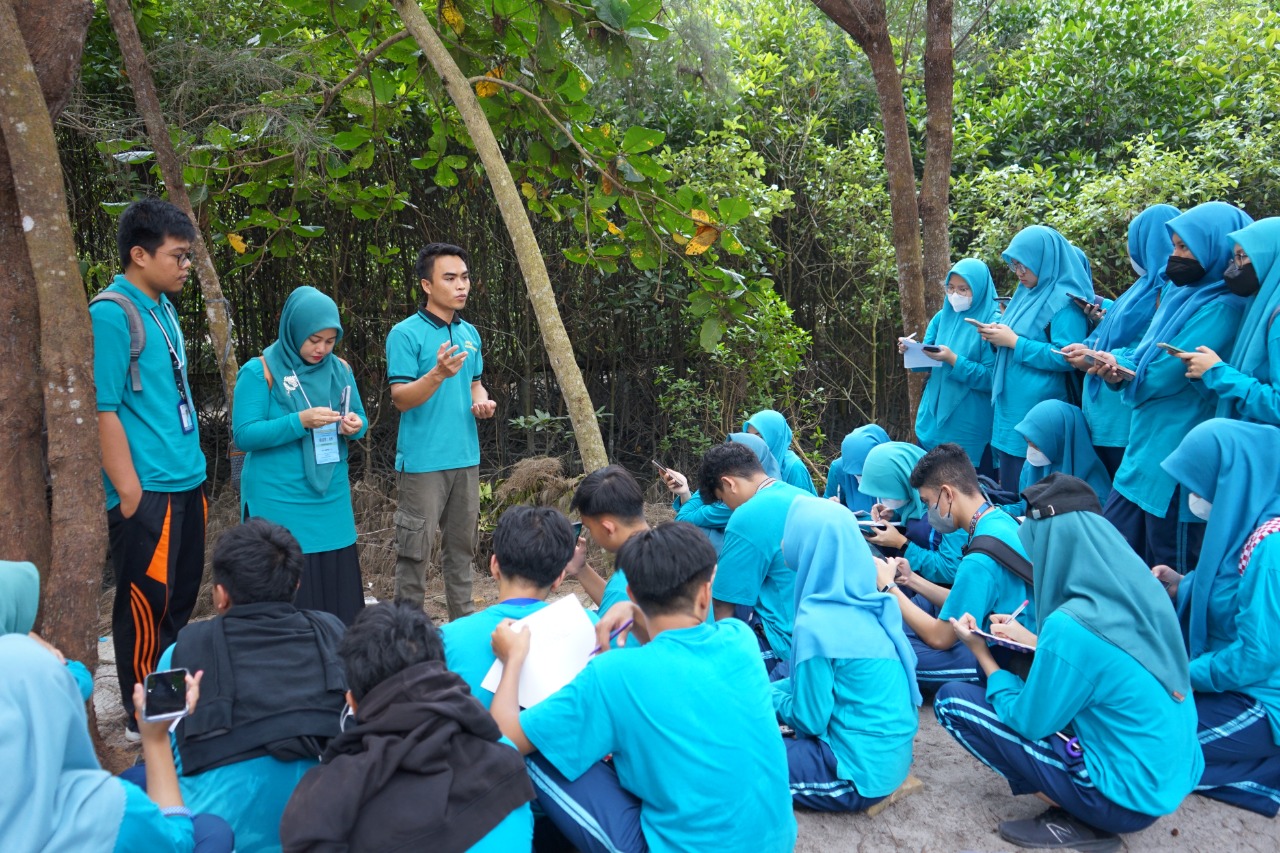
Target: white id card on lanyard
<point>326,444</point>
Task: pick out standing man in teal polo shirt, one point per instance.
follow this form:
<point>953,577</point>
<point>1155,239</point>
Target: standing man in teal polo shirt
<point>434,365</point>
<point>152,465</point>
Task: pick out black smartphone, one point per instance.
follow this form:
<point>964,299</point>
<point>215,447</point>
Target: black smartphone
<point>871,528</point>
<point>931,348</point>
<point>1085,305</point>
<point>166,695</point>
<point>577,530</point>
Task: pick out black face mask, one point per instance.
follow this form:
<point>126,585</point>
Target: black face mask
<point>1242,281</point>
<point>1184,271</point>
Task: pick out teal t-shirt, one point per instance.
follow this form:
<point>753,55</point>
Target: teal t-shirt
<point>969,423</point>
<point>144,827</point>
<point>1253,398</point>
<point>860,708</point>
<point>273,485</point>
<point>751,570</point>
<point>468,648</point>
<point>513,835</point>
<point>691,728</point>
<point>166,458</point>
<point>1033,373</point>
<point>982,586</point>
<point>1140,746</point>
<point>440,434</point>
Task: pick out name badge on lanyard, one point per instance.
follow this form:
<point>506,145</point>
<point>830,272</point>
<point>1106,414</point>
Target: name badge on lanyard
<point>326,444</point>
<point>184,417</point>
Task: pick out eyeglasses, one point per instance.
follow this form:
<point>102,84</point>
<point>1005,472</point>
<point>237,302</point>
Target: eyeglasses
<point>182,259</point>
<point>1241,258</point>
<point>1018,268</point>
<point>961,289</point>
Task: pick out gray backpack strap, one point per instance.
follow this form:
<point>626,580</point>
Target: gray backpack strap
<point>137,331</point>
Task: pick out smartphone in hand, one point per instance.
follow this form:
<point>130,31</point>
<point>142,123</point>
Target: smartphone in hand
<point>165,695</point>
<point>1171,349</point>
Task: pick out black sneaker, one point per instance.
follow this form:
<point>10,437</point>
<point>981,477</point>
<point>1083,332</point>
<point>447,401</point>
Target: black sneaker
<point>1055,829</point>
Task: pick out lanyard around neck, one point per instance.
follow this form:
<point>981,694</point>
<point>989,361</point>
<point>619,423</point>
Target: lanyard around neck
<point>178,362</point>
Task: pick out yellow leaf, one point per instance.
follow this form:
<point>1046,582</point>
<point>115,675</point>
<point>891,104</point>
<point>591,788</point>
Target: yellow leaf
<point>605,130</point>
<point>237,242</point>
<point>485,89</point>
<point>613,229</point>
<point>679,239</point>
<point>700,216</point>
<point>606,185</point>
<point>527,190</point>
<point>452,16</point>
<point>707,234</point>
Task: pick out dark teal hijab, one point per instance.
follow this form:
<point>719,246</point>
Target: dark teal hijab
<point>19,597</point>
<point>1085,569</point>
<point>1060,431</point>
<point>839,613</point>
<point>306,312</point>
<point>940,396</point>
<point>1261,242</point>
<point>1235,466</point>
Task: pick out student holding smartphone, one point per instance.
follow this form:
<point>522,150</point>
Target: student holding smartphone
<point>296,409</point>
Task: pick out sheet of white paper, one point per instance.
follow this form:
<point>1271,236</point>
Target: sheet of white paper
<point>561,641</point>
<point>915,357</point>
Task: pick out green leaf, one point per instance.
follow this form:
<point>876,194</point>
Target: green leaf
<point>575,85</point>
<point>712,332</point>
<point>613,12</point>
<point>733,210</point>
<point>539,154</point>
<point>384,86</point>
<point>638,140</point>
<point>307,230</point>
<point>426,161</point>
<point>349,140</point>
<point>445,176</point>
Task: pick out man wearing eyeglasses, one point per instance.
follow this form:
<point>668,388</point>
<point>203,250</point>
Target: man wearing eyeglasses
<point>152,465</point>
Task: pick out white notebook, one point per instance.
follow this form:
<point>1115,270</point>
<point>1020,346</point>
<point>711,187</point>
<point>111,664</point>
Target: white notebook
<point>562,638</point>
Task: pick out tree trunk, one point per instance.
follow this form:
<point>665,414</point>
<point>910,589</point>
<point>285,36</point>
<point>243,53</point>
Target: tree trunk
<point>939,74</point>
<point>586,428</point>
<point>72,576</point>
<point>216,306</point>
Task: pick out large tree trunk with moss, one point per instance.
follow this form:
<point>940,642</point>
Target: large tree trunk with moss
<point>586,428</point>
<point>216,307</point>
<point>935,186</point>
<point>62,525</point>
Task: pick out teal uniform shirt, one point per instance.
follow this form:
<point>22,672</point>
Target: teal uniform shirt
<point>440,434</point>
<point>689,723</point>
<point>467,641</point>
<point>514,833</point>
<point>615,590</point>
<point>862,709</point>
<point>1034,373</point>
<point>709,516</point>
<point>166,458</point>
<point>834,483</point>
<point>969,423</point>
<point>1252,397</point>
<point>272,485</point>
<point>1107,413</point>
<point>1220,610</point>
<point>1250,662</point>
<point>144,827</point>
<point>982,586</point>
<point>1140,746</point>
<point>1167,405</point>
<point>751,570</point>
<point>940,563</point>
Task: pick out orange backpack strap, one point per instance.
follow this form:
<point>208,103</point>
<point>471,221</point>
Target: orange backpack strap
<point>266,371</point>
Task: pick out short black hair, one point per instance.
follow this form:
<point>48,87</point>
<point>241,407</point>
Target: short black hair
<point>610,490</point>
<point>148,223</point>
<point>666,565</point>
<point>726,460</point>
<point>946,465</point>
<point>258,561</point>
<point>427,258</point>
<point>386,639</point>
<point>534,543</point>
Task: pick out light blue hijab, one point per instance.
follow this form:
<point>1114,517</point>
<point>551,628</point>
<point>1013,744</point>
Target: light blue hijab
<point>1261,242</point>
<point>941,397</point>
<point>1061,269</point>
<point>839,613</point>
<point>887,474</point>
<point>1206,230</point>
<point>1060,431</point>
<point>1235,466</point>
<point>775,431</point>
<point>853,456</point>
<point>19,597</point>
<point>67,801</point>
<point>761,450</point>
<point>1129,316</point>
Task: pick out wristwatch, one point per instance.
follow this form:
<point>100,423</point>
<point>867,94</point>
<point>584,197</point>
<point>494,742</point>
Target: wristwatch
<point>888,587</point>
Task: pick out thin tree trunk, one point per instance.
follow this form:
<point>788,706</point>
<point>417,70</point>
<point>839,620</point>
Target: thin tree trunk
<point>72,578</point>
<point>586,428</point>
<point>217,308</point>
<point>939,74</point>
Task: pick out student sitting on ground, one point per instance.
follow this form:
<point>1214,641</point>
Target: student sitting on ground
<point>531,546</point>
<point>1103,728</point>
<point>1058,442</point>
<point>948,485</point>
<point>272,689</point>
<point>1229,606</point>
<point>423,767</point>
<point>753,582</point>
<point>697,763</point>
<point>611,506</point>
<point>776,432</point>
<point>58,798</point>
<point>846,469</point>
<point>851,697</point>
<point>19,603</point>
<point>713,517</point>
<point>886,476</point>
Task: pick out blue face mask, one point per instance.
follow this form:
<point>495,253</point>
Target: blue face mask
<point>944,524</point>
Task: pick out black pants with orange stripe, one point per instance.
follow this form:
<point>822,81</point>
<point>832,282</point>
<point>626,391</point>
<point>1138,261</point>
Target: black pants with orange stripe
<point>158,555</point>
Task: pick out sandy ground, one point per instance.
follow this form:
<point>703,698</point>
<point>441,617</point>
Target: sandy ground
<point>957,810</point>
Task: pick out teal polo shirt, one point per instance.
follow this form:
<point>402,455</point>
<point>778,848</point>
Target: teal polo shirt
<point>440,434</point>
<point>166,459</point>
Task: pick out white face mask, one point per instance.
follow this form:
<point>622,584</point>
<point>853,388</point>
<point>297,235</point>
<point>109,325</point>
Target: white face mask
<point>1036,458</point>
<point>960,304</point>
<point>1136,268</point>
<point>893,503</point>
<point>1199,507</point>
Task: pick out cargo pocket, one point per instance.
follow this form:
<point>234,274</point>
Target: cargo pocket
<point>410,536</point>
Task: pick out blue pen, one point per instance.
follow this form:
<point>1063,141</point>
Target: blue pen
<point>614,635</point>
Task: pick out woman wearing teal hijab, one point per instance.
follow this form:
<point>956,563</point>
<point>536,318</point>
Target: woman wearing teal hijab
<point>19,603</point>
<point>851,697</point>
<point>1245,385</point>
<point>1198,309</point>
<point>1040,319</point>
<point>712,518</point>
<point>846,469</point>
<point>776,432</point>
<point>1102,725</point>
<point>886,477</point>
<point>296,408</point>
<point>63,800</point>
<point>1229,606</point>
<point>956,403</point>
<point>1058,441</point>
